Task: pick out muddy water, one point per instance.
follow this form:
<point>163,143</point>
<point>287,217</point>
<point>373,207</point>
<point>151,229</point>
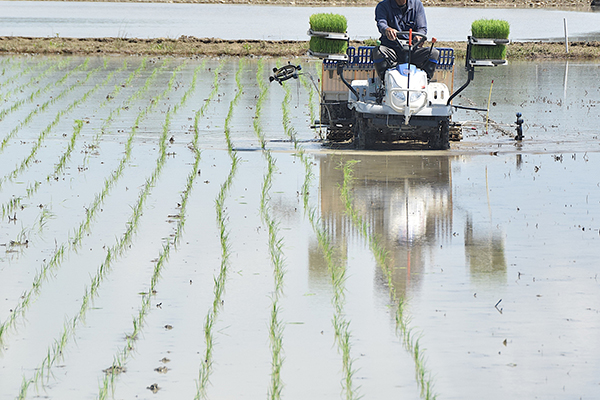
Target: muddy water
<point>493,245</point>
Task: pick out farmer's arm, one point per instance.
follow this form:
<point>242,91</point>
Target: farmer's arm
<point>420,19</point>
<point>381,14</point>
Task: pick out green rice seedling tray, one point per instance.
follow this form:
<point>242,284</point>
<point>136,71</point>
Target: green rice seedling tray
<point>490,37</point>
<point>328,35</point>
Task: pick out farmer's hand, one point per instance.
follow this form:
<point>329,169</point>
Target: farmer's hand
<point>390,33</point>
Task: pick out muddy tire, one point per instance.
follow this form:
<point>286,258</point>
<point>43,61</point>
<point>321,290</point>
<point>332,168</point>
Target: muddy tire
<point>440,137</point>
<point>363,137</point>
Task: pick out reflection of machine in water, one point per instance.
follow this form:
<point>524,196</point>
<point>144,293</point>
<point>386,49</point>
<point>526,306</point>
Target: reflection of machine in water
<point>484,251</point>
<point>406,201</point>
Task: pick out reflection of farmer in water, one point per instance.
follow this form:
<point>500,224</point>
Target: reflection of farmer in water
<point>394,16</point>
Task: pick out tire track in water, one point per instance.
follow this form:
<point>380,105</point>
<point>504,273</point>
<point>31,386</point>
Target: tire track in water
<point>219,287</point>
<point>337,271</point>
<point>408,336</point>
<point>74,240</point>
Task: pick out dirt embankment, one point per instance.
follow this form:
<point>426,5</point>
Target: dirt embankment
<point>569,4</point>
<point>192,46</point>
<point>187,46</point>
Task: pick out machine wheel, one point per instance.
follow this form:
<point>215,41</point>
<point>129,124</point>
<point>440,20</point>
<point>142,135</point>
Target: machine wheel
<point>440,137</point>
<point>363,138</point>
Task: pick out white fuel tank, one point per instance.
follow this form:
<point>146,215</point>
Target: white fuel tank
<point>397,81</point>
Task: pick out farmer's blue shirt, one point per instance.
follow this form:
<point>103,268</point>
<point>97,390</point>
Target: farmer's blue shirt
<point>389,14</point>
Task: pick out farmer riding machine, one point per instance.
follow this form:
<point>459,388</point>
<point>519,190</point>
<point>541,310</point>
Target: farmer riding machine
<point>406,106</point>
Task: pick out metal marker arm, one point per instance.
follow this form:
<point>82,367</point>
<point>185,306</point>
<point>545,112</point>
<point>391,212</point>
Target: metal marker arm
<point>340,72</point>
<point>470,72</point>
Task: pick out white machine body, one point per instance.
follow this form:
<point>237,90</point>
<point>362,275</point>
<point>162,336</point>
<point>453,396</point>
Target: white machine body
<point>406,92</point>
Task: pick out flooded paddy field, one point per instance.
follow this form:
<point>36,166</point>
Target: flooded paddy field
<point>173,228</point>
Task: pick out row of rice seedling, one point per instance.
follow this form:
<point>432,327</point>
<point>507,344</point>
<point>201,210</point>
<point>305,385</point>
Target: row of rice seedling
<point>74,240</point>
<point>287,122</point>
<point>409,336</point>
<point>337,271</point>
<point>22,72</point>
<point>206,366</point>
<point>42,107</point>
<point>42,136</point>
<point>275,247</point>
<point>82,67</point>
<point>121,357</point>
<point>33,187</point>
<point>95,143</point>
<point>34,79</point>
<point>56,350</point>
<point>15,105</point>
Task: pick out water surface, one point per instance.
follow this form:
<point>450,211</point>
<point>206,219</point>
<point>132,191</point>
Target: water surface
<point>150,20</point>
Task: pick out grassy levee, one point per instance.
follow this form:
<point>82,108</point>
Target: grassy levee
<point>83,66</point>
<point>121,357</point>
<point>276,326</point>
<point>206,366</point>
<point>52,263</point>
<point>408,335</point>
<point>337,271</point>
<point>56,350</point>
